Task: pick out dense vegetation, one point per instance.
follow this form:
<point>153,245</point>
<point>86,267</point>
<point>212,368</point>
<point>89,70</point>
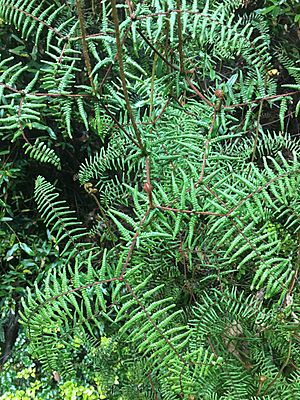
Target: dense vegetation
<point>150,205</point>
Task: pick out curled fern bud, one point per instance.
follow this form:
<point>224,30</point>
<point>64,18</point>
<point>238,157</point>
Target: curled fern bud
<point>219,94</point>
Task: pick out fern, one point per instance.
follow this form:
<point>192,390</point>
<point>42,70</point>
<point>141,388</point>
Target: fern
<point>41,152</point>
<point>68,229</point>
<point>183,283</point>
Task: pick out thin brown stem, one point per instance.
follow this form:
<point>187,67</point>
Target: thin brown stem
<point>153,323</point>
<point>122,73</point>
<point>197,91</point>
<point>133,243</point>
<point>120,126</point>
<point>20,123</point>
<point>148,187</point>
<point>274,96</point>
<point>206,148</point>
<point>177,210</point>
<point>180,39</point>
<point>109,69</point>
<point>152,386</point>
<point>161,56</point>
<point>85,50</point>
<point>152,85</point>
<point>281,369</point>
<point>256,132</point>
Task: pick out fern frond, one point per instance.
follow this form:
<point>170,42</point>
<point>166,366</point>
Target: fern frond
<point>41,152</point>
<point>67,229</point>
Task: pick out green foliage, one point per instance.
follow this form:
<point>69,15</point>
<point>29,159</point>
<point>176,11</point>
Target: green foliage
<point>276,9</point>
<point>41,152</point>
<point>171,127</point>
<point>21,379</point>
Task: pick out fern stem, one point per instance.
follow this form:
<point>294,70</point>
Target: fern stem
<point>197,91</point>
<point>152,385</point>
<point>240,231</point>
<point>148,187</point>
<point>63,294</point>
<point>92,194</point>
<point>85,51</point>
<point>122,74</point>
<point>281,369</point>
<point>20,123</point>
<point>180,39</point>
<point>256,132</point>
<point>38,20</point>
<point>133,243</point>
<point>156,51</point>
<point>162,111</point>
<point>93,7</point>
<point>109,69</point>
<point>119,125</point>
<point>152,322</point>
<point>206,147</point>
<point>193,212</point>
<point>152,85</point>
<point>274,96</point>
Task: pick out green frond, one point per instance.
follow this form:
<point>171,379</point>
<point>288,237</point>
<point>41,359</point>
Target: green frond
<point>68,231</point>
<point>68,311</point>
<point>182,283</point>
<point>41,152</point>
